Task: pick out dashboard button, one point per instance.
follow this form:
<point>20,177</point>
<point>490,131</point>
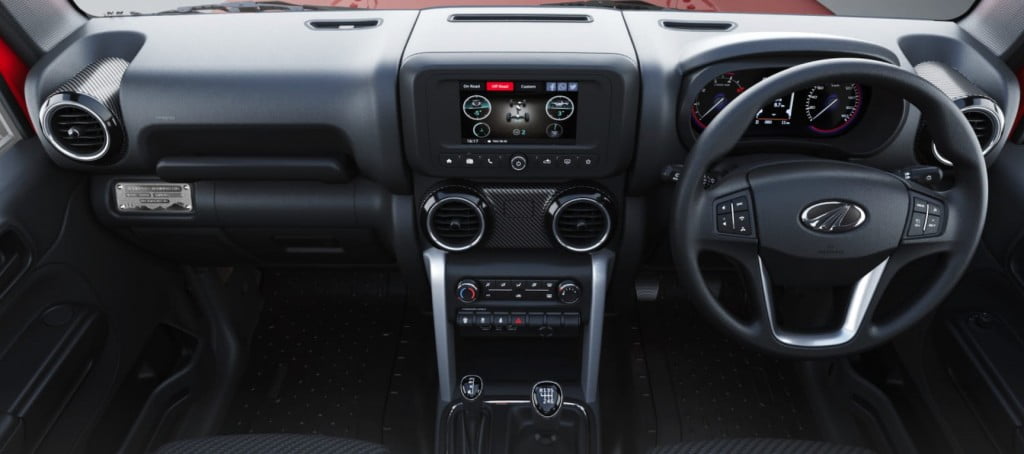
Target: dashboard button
<point>544,161</point>
<point>483,321</point>
<point>566,161</point>
<point>518,163</point>
<point>470,161</point>
<point>450,160</point>
<point>492,160</point>
<point>586,161</point>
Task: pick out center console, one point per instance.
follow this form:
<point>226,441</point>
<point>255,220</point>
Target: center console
<point>518,163</point>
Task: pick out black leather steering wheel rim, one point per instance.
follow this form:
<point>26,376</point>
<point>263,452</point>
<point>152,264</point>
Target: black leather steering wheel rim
<point>967,201</point>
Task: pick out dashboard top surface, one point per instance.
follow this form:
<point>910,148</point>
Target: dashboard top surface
<point>276,71</point>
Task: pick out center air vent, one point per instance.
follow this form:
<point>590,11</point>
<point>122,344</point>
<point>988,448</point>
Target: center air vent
<point>986,119</point>
<point>580,220</point>
<point>455,219</point>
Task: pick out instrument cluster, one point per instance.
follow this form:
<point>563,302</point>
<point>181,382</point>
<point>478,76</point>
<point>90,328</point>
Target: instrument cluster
<point>822,110</point>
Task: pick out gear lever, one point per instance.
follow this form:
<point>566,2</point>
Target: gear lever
<point>547,398</point>
<point>471,387</point>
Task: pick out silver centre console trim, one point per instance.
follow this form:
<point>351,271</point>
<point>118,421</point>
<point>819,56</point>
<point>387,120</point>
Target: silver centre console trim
<point>860,300</point>
<point>444,341</point>
<point>601,267</point>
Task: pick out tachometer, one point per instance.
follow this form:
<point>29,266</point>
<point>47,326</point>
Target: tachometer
<point>832,107</point>
<point>714,97</point>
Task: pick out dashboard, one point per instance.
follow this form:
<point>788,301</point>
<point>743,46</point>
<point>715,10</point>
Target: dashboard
<point>340,115</point>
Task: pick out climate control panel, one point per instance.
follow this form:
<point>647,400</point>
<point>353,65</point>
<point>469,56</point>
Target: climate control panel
<point>474,290</point>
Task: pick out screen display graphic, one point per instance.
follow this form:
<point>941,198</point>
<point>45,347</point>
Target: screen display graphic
<point>518,112</point>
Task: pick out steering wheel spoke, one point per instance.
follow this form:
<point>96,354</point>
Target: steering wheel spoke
<point>864,295</point>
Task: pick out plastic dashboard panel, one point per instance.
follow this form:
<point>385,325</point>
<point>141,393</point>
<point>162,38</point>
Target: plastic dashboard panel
<point>338,93</point>
<point>247,85</point>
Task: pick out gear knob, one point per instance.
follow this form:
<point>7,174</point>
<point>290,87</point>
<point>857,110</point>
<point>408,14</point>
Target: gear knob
<point>547,398</point>
<point>471,387</point>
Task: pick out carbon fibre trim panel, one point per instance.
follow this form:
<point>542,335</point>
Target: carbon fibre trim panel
<point>101,80</point>
<point>518,216</point>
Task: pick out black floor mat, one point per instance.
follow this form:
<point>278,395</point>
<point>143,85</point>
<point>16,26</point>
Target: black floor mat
<point>719,388</point>
<point>322,356</point>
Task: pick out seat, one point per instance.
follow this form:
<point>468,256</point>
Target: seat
<point>272,444</point>
<point>758,446</point>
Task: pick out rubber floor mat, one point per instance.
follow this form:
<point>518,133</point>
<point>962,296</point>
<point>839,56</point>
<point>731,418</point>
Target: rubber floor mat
<point>720,389</point>
<point>321,356</point>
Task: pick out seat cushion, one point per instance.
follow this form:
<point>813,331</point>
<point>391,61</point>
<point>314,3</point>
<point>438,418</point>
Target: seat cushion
<point>272,443</point>
<point>758,446</point>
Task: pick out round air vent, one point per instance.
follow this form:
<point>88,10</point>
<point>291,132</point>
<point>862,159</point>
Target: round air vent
<point>81,119</point>
<point>455,219</point>
<point>580,220</point>
<point>986,119</point>
<point>77,130</point>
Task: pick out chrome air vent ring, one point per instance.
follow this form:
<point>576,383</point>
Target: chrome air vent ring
<point>455,219</point>
<point>580,220</point>
<point>79,126</point>
<point>986,119</point>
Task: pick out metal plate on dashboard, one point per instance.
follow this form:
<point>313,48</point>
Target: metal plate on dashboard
<point>153,197</point>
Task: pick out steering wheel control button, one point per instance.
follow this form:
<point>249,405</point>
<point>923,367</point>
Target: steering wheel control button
<point>569,292</point>
<point>740,204</point>
<point>467,291</point>
<point>733,216</point>
<point>916,225</point>
<point>518,163</point>
<point>926,218</point>
<point>547,398</point>
<point>471,387</point>
<point>920,206</point>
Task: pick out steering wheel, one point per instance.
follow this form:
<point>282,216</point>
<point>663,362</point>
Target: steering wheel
<point>826,223</point>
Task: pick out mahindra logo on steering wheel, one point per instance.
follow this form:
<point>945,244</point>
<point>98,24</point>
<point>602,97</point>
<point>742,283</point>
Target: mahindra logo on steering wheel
<point>833,216</point>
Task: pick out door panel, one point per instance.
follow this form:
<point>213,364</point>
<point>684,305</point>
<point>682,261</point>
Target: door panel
<point>77,306</point>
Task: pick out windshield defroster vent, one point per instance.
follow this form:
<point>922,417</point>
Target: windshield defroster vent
<point>698,26</point>
<point>342,24</point>
<point>578,18</point>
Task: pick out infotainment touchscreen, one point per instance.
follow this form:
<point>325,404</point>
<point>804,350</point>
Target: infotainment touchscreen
<point>499,112</point>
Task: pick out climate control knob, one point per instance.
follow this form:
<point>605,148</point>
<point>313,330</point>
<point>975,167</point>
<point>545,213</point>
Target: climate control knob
<point>569,292</point>
<point>467,291</point>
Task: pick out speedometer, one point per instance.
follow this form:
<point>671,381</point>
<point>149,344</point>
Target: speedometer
<point>714,97</point>
<point>832,107</point>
